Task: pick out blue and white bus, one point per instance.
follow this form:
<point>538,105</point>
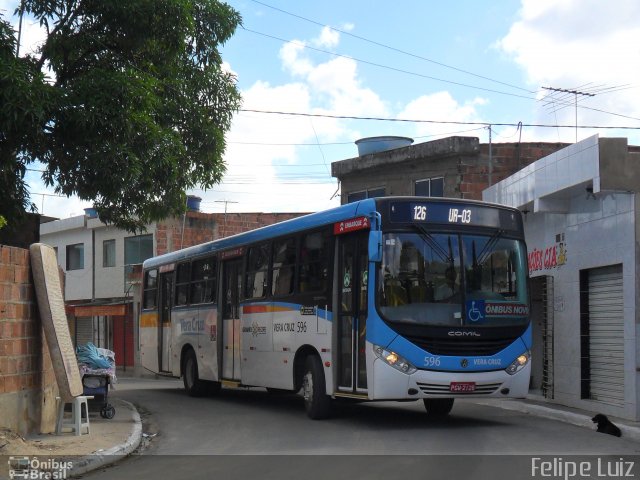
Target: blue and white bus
<point>393,298</point>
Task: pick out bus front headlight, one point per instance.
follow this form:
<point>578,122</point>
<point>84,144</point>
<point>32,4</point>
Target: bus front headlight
<point>393,359</point>
<point>519,363</point>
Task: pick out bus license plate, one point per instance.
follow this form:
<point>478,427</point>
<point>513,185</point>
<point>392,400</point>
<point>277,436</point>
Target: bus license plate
<point>462,386</point>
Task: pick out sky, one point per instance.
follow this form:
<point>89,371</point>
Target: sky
<point>418,69</point>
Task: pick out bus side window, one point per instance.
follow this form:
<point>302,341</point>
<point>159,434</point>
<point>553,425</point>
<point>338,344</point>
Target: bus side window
<point>150,289</point>
<point>283,268</point>
<point>203,275</point>
<point>314,267</point>
<point>256,277</point>
<point>182,284</point>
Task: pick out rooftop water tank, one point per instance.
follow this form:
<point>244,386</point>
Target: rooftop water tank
<point>380,144</point>
<point>193,203</point>
<point>91,212</point>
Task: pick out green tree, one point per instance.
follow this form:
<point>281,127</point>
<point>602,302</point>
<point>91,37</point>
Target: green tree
<point>132,111</point>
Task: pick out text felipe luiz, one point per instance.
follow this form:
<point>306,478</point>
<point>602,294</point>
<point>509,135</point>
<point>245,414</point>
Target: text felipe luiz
<point>596,468</point>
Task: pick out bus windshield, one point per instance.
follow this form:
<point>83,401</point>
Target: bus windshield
<point>452,279</point>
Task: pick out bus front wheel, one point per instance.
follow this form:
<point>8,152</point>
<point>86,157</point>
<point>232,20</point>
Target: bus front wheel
<point>192,383</point>
<point>438,407</point>
<point>316,401</point>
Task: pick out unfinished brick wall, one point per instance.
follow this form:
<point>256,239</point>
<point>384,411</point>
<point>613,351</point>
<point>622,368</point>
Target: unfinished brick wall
<point>507,158</point>
<point>202,227</point>
<point>27,380</point>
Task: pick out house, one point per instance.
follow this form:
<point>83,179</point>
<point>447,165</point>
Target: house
<point>458,167</point>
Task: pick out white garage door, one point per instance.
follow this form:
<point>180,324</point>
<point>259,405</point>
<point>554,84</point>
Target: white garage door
<point>606,335</point>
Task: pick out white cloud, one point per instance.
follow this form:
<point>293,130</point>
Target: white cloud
<point>583,45</point>
<point>291,60</point>
<point>328,38</point>
<point>441,106</point>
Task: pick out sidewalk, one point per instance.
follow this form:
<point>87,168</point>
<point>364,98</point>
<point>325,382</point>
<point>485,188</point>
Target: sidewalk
<point>540,408</point>
<point>107,442</point>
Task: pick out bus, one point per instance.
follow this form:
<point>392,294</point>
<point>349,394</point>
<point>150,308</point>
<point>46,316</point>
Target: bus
<point>392,298</point>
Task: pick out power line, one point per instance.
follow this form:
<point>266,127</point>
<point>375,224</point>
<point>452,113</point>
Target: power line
<point>379,65</point>
<point>399,70</point>
<point>404,52</point>
<point>351,142</point>
<point>406,120</point>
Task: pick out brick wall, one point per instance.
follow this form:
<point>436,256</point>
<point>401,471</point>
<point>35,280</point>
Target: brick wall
<point>507,158</point>
<point>27,381</point>
<point>202,227</point>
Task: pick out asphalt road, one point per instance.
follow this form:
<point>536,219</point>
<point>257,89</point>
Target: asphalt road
<point>254,434</point>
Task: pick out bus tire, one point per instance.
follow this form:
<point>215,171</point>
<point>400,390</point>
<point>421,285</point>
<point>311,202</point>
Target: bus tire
<point>316,401</point>
<point>438,407</point>
<point>192,383</point>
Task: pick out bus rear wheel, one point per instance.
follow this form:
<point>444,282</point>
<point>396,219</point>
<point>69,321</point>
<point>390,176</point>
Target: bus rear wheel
<point>192,383</point>
<point>316,401</point>
<point>438,407</point>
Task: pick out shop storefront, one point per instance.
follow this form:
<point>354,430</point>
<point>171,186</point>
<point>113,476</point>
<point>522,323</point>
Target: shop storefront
<point>580,207</point>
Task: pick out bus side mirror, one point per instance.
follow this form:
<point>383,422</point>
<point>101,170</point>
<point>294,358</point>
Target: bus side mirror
<point>375,246</point>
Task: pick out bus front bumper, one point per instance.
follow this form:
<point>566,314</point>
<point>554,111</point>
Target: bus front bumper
<point>391,384</point>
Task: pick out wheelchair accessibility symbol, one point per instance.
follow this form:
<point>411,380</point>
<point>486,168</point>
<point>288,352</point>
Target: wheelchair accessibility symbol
<point>475,310</point>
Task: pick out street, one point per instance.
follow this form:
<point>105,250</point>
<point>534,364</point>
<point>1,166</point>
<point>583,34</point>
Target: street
<point>246,433</point>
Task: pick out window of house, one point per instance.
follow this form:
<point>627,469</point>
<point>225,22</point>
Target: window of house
<point>370,193</point>
<point>136,250</point>
<point>109,253</point>
<point>256,278</point>
<point>150,289</point>
<point>203,276</point>
<point>314,264</point>
<point>75,256</point>
<point>430,187</point>
<point>284,266</point>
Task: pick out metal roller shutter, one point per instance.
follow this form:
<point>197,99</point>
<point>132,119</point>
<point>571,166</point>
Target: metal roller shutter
<point>606,335</point>
<point>84,330</point>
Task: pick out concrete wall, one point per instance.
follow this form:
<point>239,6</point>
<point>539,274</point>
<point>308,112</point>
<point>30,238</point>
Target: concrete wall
<point>203,227</point>
<point>27,381</point>
<point>71,231</point>
<point>109,281</point>
<point>468,167</point>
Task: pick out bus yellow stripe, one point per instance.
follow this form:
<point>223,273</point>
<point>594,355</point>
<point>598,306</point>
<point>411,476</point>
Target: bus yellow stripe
<point>149,319</point>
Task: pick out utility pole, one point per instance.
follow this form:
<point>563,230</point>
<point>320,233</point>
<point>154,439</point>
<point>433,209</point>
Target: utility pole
<point>490,158</point>
<point>575,93</point>
<point>20,29</point>
<point>224,227</point>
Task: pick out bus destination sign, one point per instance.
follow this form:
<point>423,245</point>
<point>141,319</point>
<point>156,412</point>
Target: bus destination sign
<point>452,214</point>
<point>351,225</point>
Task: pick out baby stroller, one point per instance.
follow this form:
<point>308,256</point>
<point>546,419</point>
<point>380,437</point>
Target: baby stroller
<point>98,370</point>
<point>97,385</point>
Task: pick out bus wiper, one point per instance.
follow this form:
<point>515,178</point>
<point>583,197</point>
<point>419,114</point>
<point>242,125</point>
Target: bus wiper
<point>488,247</point>
<point>428,238</point>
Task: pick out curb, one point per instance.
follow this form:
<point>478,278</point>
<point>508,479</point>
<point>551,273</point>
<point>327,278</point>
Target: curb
<point>107,457</point>
<point>580,420</point>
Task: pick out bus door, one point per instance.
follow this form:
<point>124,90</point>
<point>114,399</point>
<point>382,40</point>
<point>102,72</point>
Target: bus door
<point>231,284</point>
<point>353,278</point>
<point>164,323</point>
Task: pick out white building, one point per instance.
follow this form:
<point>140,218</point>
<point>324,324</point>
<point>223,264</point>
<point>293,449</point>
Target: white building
<point>99,263</point>
<point>582,226</point>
